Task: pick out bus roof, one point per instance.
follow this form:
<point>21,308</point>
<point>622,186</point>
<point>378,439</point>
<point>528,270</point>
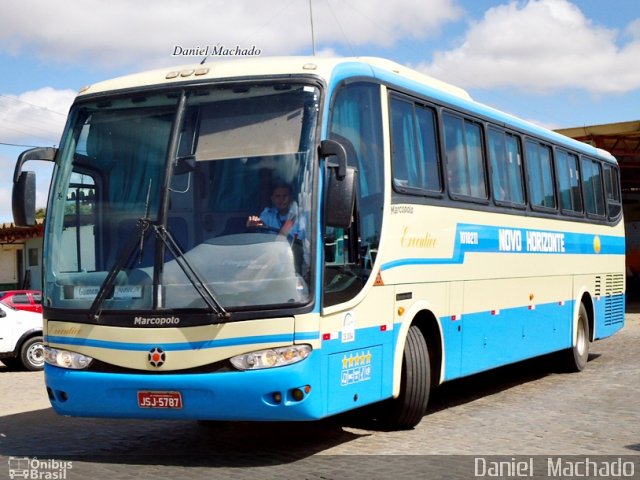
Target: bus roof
<point>260,66</point>
<point>331,70</point>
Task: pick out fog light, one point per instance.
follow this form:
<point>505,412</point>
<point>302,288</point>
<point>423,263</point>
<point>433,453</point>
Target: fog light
<point>297,394</point>
<point>277,397</point>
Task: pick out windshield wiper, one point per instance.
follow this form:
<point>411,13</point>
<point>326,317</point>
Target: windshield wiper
<point>191,273</point>
<point>125,254</point>
<point>144,226</point>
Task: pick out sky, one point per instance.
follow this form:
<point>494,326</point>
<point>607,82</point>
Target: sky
<point>557,63</point>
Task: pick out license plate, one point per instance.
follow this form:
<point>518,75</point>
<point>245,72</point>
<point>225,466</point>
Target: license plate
<point>159,400</point>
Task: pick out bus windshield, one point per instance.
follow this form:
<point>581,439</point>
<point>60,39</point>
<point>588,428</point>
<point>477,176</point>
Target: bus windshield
<point>171,193</point>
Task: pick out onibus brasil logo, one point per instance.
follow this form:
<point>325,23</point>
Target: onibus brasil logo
<point>35,469</point>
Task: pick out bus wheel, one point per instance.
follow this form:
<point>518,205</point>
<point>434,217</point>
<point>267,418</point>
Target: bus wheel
<point>407,410</point>
<point>576,357</point>
<point>32,354</point>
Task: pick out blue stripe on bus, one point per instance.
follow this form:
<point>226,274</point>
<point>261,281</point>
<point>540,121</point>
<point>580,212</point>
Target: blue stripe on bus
<point>495,239</point>
<point>307,336</point>
<point>227,342</point>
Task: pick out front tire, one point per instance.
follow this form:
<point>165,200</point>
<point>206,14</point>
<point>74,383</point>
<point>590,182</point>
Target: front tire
<point>407,410</point>
<point>32,354</point>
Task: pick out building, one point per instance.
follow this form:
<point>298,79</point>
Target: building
<point>622,140</point>
<point>21,256</point>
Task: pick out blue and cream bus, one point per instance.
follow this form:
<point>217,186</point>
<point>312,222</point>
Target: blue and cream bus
<point>435,238</point>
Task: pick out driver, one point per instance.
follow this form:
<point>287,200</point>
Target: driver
<point>282,216</point>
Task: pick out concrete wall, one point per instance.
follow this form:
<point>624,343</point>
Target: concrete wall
<point>8,265</point>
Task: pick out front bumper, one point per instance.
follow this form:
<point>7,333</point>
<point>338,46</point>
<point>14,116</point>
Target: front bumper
<point>243,395</point>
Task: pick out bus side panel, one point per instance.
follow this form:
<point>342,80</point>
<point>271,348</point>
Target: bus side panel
<point>357,351</point>
<point>607,294</point>
<point>452,332</point>
<point>609,313</point>
<point>608,318</point>
<point>355,378</point>
<point>514,319</point>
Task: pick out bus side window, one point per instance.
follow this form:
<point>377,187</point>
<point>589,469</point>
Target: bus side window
<point>465,161</point>
<point>415,156</point>
<point>506,167</point>
<point>612,192</point>
<point>569,182</point>
<point>540,175</point>
<point>592,187</point>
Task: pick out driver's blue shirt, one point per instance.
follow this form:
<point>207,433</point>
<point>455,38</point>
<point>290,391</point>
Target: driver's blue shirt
<point>272,219</point>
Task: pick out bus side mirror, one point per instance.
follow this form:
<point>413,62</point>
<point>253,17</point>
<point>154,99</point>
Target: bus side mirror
<point>23,200</point>
<point>341,186</point>
<point>341,194</point>
<point>330,148</point>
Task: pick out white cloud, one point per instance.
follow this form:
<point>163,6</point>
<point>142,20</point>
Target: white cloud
<point>35,117</point>
<point>541,45</point>
<point>32,118</point>
<point>6,165</point>
<point>633,29</point>
<point>142,34</point>
<point>5,206</point>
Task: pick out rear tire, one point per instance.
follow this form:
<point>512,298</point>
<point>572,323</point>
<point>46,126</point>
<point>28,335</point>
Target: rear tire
<point>407,410</point>
<point>576,357</point>
<point>32,354</point>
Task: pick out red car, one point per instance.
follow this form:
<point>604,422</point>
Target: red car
<point>30,300</point>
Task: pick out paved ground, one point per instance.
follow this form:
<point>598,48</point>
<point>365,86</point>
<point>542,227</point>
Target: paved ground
<point>527,412</point>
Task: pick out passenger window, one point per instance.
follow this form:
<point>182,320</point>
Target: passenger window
<point>506,168</point>
<point>592,187</point>
<point>465,162</point>
<point>414,147</point>
<point>569,182</point>
<point>540,175</point>
<point>428,147</point>
<point>612,192</point>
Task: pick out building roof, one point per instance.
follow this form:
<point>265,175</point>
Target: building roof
<point>9,233</point>
<point>620,139</point>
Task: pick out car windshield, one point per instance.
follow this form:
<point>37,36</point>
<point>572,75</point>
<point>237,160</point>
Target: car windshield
<point>232,217</point>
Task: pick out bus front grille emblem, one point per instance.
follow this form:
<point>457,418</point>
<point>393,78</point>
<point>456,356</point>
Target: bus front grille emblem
<point>156,357</point>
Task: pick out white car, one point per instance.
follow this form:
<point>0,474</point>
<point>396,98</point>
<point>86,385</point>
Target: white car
<point>21,338</point>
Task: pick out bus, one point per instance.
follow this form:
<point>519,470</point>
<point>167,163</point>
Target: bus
<point>430,237</point>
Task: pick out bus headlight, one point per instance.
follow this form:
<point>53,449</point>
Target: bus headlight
<point>273,357</point>
<point>66,359</point>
